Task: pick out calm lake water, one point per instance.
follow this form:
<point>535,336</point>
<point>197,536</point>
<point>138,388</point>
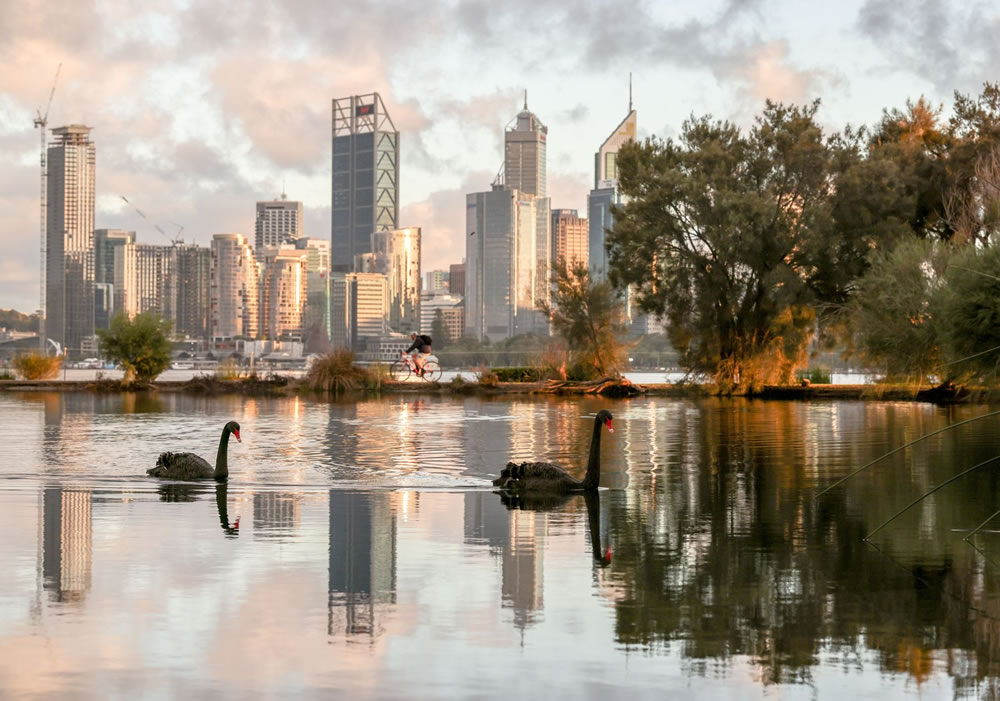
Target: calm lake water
<point>372,559</point>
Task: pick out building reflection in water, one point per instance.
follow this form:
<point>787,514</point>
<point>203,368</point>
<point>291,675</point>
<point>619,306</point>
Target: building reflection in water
<point>66,543</point>
<point>362,575</point>
<point>276,514</point>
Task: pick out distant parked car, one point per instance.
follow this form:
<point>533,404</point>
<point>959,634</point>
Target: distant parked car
<point>181,365</point>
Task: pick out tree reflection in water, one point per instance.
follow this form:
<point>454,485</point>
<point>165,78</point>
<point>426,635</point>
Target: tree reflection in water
<point>727,553</point>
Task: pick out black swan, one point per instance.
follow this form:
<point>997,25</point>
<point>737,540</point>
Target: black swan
<point>188,466</point>
<point>546,477</point>
<point>549,501</point>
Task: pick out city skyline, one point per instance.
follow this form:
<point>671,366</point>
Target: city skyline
<point>188,139</point>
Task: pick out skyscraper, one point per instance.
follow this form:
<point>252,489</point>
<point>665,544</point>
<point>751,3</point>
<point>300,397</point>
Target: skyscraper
<point>70,266</point>
<point>233,297</point>
<point>279,222</point>
<point>605,193</point>
<point>570,236</point>
<point>525,144</point>
<point>397,256</point>
<point>436,281</point>
<point>501,264</point>
<point>359,307</point>
<point>365,188</point>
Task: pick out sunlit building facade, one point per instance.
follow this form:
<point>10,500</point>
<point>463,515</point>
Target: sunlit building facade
<point>605,193</point>
<point>397,256</point>
<point>191,285</point>
<point>365,178</point>
<point>283,290</point>
<point>109,251</point>
<point>233,298</point>
<point>317,310</point>
<point>570,237</point>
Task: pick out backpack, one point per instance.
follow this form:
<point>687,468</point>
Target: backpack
<point>426,339</point>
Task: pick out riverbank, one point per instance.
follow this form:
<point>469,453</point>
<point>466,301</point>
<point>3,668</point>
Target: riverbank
<point>285,385</point>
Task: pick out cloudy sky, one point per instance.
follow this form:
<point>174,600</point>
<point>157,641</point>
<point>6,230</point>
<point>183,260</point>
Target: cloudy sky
<point>201,108</point>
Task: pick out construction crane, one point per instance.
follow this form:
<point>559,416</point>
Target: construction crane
<point>173,241</point>
<point>41,122</point>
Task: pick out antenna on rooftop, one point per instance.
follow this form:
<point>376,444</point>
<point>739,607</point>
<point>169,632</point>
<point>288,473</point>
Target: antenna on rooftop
<point>630,91</point>
<point>526,99</point>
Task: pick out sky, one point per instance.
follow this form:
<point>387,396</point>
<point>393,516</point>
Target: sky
<point>200,109</point>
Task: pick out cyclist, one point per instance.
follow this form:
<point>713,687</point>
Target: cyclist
<point>421,343</point>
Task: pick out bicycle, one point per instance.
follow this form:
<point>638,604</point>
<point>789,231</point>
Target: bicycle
<point>401,369</point>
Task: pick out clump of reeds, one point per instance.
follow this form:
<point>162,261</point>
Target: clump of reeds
<point>35,366</point>
<point>335,372</point>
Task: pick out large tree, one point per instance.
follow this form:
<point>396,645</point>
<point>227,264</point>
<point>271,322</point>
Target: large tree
<point>141,345</point>
<point>589,316</point>
<point>729,235</point>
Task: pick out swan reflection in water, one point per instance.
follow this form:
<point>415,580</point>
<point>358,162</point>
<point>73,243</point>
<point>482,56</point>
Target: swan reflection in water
<point>192,492</point>
<point>541,501</point>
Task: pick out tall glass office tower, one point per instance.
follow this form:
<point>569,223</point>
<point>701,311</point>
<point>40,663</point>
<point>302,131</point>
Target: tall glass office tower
<point>605,193</point>
<point>365,196</point>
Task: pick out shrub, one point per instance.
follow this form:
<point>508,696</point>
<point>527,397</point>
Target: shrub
<point>816,376</point>
<point>6,375</point>
<point>35,366</point>
<point>141,346</point>
<point>486,377</point>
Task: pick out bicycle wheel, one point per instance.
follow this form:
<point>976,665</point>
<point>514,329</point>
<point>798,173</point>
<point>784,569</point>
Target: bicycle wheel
<point>399,371</point>
<point>432,371</point>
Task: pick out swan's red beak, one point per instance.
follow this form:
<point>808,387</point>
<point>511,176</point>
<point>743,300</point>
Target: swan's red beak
<point>237,434</point>
<point>608,424</point>
<point>236,526</point>
<point>607,555</point>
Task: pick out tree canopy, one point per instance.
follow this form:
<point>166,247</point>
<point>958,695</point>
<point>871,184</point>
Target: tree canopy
<point>141,346</point>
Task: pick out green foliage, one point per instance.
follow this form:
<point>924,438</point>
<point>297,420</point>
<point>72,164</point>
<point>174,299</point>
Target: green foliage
<point>141,346</point>
<point>228,370</point>
<point>895,320</point>
<point>439,330</point>
<point>729,235</point>
<point>589,317</point>
<point>522,374</point>
<point>971,305</point>
<point>816,376</point>
<point>35,366</point>
<point>6,375</point>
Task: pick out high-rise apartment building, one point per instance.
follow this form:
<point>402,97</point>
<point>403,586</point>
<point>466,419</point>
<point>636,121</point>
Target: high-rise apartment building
<point>456,279</point>
<point>151,289</point>
<point>69,239</point>
<point>501,264</point>
<point>365,187</point>
<point>283,291</point>
<point>397,256</point>
<point>233,301</point>
<point>605,193</point>
<point>570,237</point>
<point>279,223</point>
<point>190,285</point>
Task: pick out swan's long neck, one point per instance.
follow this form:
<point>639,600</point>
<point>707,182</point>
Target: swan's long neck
<point>221,462</point>
<point>593,476</point>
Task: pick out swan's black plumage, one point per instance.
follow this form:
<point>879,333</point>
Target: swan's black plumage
<point>188,466</point>
<point>548,477</point>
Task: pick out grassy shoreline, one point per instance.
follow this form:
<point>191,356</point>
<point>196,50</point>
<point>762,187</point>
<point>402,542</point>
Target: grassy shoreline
<point>277,385</point>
